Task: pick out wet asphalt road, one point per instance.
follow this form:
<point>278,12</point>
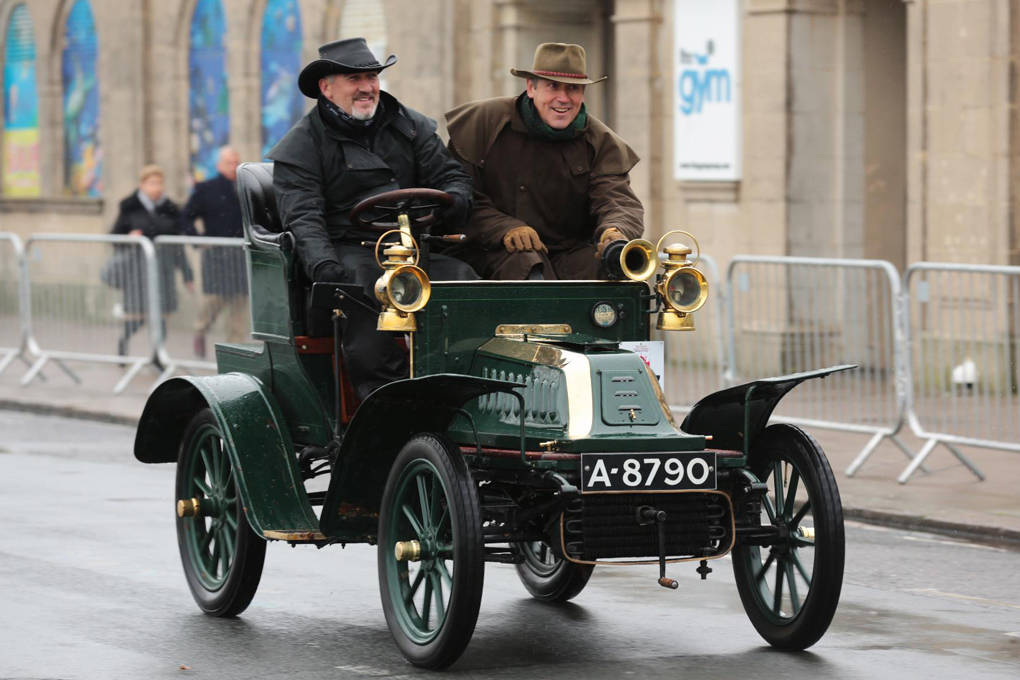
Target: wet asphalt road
<point>91,587</point>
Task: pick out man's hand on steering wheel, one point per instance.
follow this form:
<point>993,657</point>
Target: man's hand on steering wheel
<point>455,215</point>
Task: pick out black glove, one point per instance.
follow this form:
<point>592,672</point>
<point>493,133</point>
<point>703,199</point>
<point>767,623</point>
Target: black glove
<point>455,215</point>
<point>329,271</point>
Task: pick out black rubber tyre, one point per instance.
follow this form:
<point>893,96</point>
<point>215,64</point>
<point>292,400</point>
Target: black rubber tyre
<point>790,590</point>
<point>221,555</point>
<point>431,603</point>
<point>547,576</point>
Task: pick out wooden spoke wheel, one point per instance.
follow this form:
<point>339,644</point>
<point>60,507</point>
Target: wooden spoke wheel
<point>431,565</point>
<point>790,590</point>
<point>221,555</point>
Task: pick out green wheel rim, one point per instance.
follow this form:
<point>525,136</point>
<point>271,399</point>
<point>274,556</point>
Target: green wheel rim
<point>212,535</point>
<point>421,591</point>
<point>783,574</point>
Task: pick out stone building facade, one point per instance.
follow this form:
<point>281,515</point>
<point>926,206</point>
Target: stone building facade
<point>869,128</point>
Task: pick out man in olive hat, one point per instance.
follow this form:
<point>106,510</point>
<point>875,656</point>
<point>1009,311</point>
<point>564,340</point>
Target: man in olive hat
<point>358,141</point>
<point>551,181</point>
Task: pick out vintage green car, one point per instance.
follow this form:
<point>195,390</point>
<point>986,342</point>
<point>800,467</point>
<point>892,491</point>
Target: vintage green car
<point>525,434</point>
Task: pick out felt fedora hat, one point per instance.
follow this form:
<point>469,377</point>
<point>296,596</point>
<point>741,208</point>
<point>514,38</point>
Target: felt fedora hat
<point>341,56</point>
<point>560,62</point>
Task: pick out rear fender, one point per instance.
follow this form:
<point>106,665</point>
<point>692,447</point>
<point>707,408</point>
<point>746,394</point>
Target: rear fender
<point>254,433</point>
<point>382,425</point>
<point>735,416</point>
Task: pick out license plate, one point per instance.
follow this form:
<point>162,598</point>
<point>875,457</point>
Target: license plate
<point>647,471</point>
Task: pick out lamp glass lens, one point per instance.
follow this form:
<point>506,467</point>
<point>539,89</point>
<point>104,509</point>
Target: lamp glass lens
<point>683,289</point>
<point>405,288</point>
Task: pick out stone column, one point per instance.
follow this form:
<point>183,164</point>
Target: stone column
<point>962,102</point>
<point>639,79</point>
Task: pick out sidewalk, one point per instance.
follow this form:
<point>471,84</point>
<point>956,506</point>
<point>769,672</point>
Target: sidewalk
<point>949,500</point>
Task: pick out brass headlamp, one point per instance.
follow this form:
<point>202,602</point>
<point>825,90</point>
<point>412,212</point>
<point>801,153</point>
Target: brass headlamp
<point>681,288</point>
<point>403,288</point>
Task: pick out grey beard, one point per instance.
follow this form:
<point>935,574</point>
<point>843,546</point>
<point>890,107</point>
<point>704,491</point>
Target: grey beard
<point>366,115</point>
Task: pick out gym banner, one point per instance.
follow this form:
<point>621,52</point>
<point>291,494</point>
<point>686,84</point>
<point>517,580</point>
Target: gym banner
<point>706,90</point>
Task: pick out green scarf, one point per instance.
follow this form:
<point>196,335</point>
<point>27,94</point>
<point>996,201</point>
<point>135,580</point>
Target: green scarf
<point>538,128</point>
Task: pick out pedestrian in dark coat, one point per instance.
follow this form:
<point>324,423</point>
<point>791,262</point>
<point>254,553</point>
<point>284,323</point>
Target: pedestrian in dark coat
<point>148,212</point>
<point>224,270</point>
<point>551,181</point>
<point>355,143</point>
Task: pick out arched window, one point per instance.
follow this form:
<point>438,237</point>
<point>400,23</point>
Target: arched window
<point>21,108</point>
<point>208,99</point>
<point>282,102</point>
<point>366,19</point>
<point>83,160</point>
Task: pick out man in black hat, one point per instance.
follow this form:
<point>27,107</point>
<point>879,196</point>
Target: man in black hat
<point>359,141</point>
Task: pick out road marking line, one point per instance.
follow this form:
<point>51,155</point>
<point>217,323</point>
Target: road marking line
<point>1016,634</point>
<point>957,596</point>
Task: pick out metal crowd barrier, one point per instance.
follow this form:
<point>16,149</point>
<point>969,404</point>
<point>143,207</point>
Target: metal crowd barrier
<point>13,341</point>
<point>90,298</point>
<point>792,314</point>
<point>695,362</point>
<point>217,311</point>
<point>963,374</point>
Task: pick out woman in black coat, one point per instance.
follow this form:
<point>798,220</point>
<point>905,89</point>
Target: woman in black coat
<point>148,212</point>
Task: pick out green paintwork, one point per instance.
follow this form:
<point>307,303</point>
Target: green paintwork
<point>729,413</point>
<point>211,538</point>
<point>302,384</point>
<point>270,272</point>
<point>462,316</point>
<point>256,437</point>
<point>422,498</point>
<point>548,399</point>
<point>390,416</point>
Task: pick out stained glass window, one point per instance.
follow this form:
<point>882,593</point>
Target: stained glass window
<point>282,102</point>
<point>21,108</point>
<point>83,160</point>
<point>208,99</point>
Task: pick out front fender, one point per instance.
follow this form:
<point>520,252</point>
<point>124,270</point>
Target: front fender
<point>384,422</point>
<point>735,416</point>
<point>254,433</point>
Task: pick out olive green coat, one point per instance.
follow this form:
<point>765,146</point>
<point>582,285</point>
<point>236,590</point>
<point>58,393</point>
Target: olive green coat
<point>568,191</point>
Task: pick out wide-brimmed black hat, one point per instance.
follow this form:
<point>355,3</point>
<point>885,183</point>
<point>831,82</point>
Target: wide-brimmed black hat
<point>342,56</point>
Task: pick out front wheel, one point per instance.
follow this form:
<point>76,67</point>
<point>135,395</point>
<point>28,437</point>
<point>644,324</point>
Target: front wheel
<point>546,575</point>
<point>431,558</point>
<point>221,555</point>
<point>790,590</point>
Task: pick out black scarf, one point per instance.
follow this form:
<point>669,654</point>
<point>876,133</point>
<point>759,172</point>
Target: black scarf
<point>343,122</point>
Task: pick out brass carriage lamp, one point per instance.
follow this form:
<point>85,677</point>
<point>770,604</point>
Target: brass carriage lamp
<point>403,288</point>
<point>681,288</point>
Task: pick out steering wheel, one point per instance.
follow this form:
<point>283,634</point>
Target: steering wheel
<point>380,212</point>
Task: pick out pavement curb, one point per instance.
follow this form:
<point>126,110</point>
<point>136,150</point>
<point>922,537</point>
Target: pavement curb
<point>67,412</point>
<point>997,536</point>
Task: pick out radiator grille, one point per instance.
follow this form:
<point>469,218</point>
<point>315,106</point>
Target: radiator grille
<point>605,526</point>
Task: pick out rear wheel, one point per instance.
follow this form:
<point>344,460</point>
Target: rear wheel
<point>790,590</point>
<point>431,565</point>
<point>221,555</point>
<point>546,575</point>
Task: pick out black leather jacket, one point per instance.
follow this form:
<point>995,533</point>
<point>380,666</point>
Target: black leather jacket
<point>320,173</point>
